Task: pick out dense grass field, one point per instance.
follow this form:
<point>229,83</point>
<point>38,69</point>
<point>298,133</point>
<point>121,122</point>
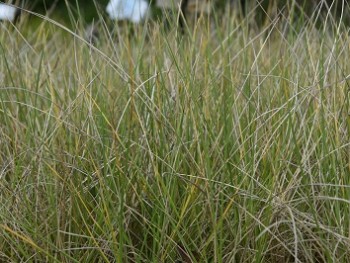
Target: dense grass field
<point>229,143</point>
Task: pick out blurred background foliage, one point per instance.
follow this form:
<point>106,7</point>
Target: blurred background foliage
<point>65,10</point>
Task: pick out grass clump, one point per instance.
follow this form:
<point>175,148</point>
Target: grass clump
<point>227,144</point>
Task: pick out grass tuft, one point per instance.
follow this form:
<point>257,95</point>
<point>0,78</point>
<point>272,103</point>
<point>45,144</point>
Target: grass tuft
<point>229,143</point>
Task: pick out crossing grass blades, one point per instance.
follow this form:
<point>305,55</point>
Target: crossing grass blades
<point>229,144</point>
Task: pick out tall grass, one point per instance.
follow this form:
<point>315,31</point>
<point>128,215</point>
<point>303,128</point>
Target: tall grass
<point>227,144</point>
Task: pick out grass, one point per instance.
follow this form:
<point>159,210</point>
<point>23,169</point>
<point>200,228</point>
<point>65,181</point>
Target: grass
<point>227,144</point>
